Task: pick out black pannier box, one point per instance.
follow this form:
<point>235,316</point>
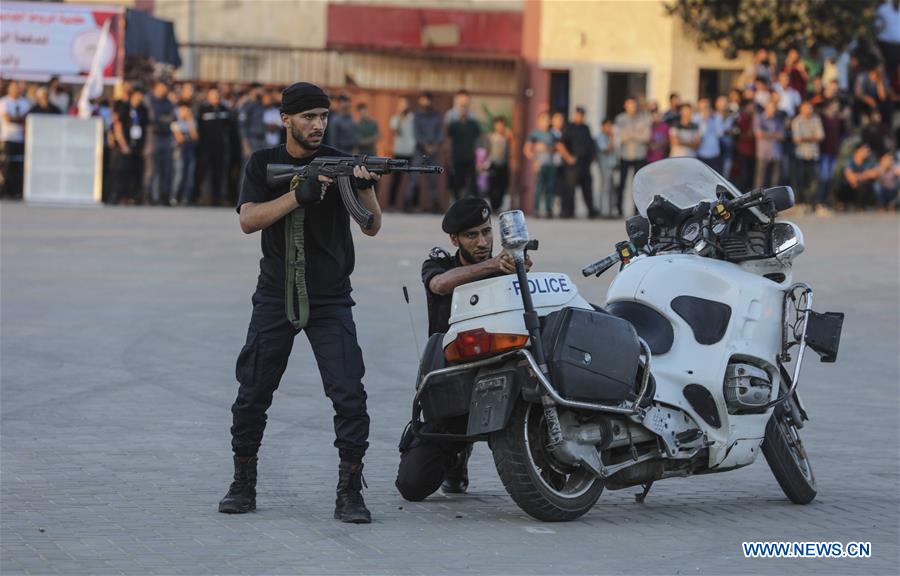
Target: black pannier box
<point>446,396</point>
<point>592,356</point>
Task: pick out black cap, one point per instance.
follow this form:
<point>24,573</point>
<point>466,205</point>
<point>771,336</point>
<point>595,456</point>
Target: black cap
<point>303,96</point>
<point>464,214</point>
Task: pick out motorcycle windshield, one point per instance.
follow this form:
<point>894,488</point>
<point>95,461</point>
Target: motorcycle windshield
<point>684,182</point>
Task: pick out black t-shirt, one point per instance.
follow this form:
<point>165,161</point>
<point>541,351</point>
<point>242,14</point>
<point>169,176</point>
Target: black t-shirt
<point>329,243</point>
<point>439,261</point>
<point>163,114</point>
<point>49,109</point>
<point>134,123</point>
<point>578,141</point>
<point>214,124</point>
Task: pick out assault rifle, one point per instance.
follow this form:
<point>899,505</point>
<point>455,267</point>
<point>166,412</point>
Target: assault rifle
<point>340,168</point>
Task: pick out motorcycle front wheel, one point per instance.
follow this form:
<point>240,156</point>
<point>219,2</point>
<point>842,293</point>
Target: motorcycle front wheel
<point>543,487</point>
<point>787,458</point>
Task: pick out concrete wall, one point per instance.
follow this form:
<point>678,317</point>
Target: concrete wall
<point>288,23</point>
<point>591,38</point>
<point>492,5</point>
<point>248,22</point>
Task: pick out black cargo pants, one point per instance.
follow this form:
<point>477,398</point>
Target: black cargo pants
<point>424,463</point>
<point>263,360</point>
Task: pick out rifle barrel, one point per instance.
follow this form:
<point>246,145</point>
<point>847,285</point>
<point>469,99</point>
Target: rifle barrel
<point>424,169</point>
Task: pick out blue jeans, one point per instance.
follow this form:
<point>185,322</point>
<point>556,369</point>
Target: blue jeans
<point>414,178</point>
<point>161,189</point>
<point>826,172</point>
<point>188,166</point>
<point>885,197</point>
<point>544,182</point>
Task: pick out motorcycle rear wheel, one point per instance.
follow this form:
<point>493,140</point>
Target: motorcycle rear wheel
<point>787,458</point>
<point>541,486</point>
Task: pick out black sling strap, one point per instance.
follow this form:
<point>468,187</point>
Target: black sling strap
<point>296,297</point>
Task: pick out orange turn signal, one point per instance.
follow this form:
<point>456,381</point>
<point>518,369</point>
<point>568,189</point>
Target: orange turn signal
<point>477,343</point>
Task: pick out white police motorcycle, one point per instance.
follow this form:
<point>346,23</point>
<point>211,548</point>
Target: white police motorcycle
<point>690,368</point>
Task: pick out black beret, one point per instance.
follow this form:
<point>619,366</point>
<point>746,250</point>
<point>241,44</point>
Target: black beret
<point>303,96</point>
<point>464,214</point>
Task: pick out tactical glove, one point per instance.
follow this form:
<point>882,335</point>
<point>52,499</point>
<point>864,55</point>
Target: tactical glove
<point>307,190</point>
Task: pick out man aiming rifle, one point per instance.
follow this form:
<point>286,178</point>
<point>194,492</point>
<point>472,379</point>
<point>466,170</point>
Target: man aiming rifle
<point>304,284</point>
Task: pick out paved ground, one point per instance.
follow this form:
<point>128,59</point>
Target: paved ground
<point>120,329</point>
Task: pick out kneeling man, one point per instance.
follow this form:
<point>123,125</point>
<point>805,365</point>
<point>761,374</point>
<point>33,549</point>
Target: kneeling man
<point>427,464</point>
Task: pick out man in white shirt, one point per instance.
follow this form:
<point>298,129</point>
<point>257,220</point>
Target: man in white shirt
<point>13,108</point>
<point>712,128</point>
<point>403,128</point>
<point>58,95</point>
<point>272,120</point>
<point>789,99</point>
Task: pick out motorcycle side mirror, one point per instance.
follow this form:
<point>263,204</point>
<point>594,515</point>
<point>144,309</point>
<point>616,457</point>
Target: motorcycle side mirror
<point>514,232</point>
<point>782,197</point>
<point>638,229</point>
<point>787,239</point>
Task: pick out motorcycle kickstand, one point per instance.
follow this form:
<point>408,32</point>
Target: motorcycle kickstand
<point>639,498</point>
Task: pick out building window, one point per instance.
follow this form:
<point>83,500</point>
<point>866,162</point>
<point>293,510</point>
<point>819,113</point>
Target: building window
<point>559,91</point>
<point>716,82</point>
<point>622,85</point>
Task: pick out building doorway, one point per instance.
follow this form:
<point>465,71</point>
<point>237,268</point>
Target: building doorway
<point>559,91</point>
<point>620,86</point>
<point>716,82</point>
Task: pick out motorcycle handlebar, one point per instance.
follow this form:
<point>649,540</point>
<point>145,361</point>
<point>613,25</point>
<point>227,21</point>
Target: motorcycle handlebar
<point>602,265</point>
<point>747,198</point>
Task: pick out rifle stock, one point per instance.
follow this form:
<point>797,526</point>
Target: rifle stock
<point>281,174</point>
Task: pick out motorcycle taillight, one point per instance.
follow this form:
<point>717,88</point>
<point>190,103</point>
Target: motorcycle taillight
<point>473,344</point>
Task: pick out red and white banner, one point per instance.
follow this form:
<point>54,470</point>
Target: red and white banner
<point>39,40</point>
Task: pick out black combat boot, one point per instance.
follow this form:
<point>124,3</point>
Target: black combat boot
<point>457,479</point>
<point>349,505</point>
<point>241,495</point>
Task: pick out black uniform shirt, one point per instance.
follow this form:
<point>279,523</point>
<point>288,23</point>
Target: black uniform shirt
<point>214,125</point>
<point>329,243</point>
<point>439,261</point>
<point>129,117</point>
<point>578,141</point>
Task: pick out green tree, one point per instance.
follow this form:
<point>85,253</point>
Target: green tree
<point>734,25</point>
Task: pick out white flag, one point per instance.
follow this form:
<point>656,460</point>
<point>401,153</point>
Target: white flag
<point>93,87</point>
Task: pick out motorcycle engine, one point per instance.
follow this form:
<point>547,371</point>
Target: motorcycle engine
<point>746,387</point>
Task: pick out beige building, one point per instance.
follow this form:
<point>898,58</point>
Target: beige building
<point>596,51</point>
<point>592,53</point>
<point>610,49</point>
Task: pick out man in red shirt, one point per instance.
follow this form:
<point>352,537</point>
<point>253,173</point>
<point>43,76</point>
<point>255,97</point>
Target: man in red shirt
<point>746,146</point>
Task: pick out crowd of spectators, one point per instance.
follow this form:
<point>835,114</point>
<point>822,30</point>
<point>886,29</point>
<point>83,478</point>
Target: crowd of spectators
<point>786,121</point>
<point>178,145</point>
<point>826,129</point>
<point>169,145</point>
